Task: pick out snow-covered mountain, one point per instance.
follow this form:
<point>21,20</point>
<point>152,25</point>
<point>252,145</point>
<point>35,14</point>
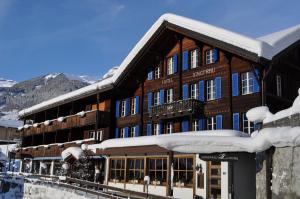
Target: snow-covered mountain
<point>16,96</point>
<point>5,83</point>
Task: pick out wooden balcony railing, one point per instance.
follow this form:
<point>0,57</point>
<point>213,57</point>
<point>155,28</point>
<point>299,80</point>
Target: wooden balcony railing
<point>69,122</point>
<point>177,108</point>
<point>52,150</point>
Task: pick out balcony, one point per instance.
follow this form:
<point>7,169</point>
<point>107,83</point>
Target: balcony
<point>177,109</point>
<point>68,122</point>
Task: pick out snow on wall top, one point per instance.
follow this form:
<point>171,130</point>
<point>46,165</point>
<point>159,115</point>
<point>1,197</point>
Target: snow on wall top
<point>266,47</point>
<point>212,141</point>
<point>263,114</point>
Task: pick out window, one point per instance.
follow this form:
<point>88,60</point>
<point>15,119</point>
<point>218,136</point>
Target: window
<point>169,128</point>
<point>247,83</point>
<point>156,129</point>
<point>170,95</point>
<point>183,171</point>
<point>194,58</point>
<point>117,169</point>
<point>97,136</point>
<point>194,91</point>
<point>170,68</point>
<point>157,73</point>
<point>156,98</point>
<point>195,125</point>
<point>132,131</point>
<point>123,108</point>
<point>122,133</point>
<point>278,86</point>
<point>132,106</point>
<point>158,170</point>
<point>248,127</point>
<point>211,123</point>
<point>211,90</point>
<point>209,55</point>
<point>136,170</point>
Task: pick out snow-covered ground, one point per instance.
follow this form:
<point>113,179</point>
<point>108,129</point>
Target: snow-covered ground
<point>5,83</point>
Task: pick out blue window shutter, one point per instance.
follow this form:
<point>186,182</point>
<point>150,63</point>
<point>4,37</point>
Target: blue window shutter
<point>185,126</point>
<point>149,100</point>
<point>161,96</point>
<point>256,126</point>
<point>201,91</point>
<point>218,82</point>
<point>175,63</point>
<point>126,132</point>
<point>137,104</point>
<point>215,55</point>
<point>185,90</point>
<point>236,121</point>
<point>150,73</point>
<point>185,60</point>
<point>256,86</point>
<point>117,108</point>
<point>160,130</point>
<point>137,130</point>
<point>117,133</point>
<point>219,121</point>
<point>149,129</point>
<point>126,107</point>
<point>235,84</point>
<point>201,124</point>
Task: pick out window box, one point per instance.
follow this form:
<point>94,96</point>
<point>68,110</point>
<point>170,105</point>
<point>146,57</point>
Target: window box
<point>156,182</point>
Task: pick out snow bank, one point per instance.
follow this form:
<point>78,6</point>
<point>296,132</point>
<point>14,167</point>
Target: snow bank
<point>262,114</point>
<point>212,141</point>
<point>76,152</point>
<point>61,119</point>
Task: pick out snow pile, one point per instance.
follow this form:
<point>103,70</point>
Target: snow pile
<point>61,119</point>
<point>262,114</point>
<point>47,123</point>
<point>212,141</point>
<point>76,152</point>
<point>80,114</point>
<point>51,76</point>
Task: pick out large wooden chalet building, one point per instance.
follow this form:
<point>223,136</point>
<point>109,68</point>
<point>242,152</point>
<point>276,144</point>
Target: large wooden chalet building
<point>183,75</point>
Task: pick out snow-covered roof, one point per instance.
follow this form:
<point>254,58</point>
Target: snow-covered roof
<point>212,141</point>
<point>265,47</point>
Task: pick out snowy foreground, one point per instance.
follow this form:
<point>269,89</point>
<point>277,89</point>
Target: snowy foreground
<point>16,188</point>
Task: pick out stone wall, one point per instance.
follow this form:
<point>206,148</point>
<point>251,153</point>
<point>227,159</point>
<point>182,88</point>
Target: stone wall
<point>285,175</point>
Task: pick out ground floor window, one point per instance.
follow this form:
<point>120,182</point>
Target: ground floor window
<point>195,125</point>
<point>211,123</point>
<point>157,170</point>
<point>248,127</point>
<point>117,169</point>
<point>136,170</point>
<point>183,171</point>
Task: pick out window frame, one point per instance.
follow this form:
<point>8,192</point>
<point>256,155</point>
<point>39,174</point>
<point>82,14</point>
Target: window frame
<point>169,128</point>
<point>170,95</point>
<point>123,108</point>
<point>132,131</point>
<point>181,168</point>
<point>194,88</point>
<point>122,132</point>
<point>170,67</point>
<point>140,170</point>
<point>156,98</point>
<point>211,123</point>
<point>195,125</point>
<point>156,129</point>
<point>247,126</point>
<point>192,59</point>
<point>278,85</point>
<point>209,56</point>
<point>114,168</point>
<point>247,83</point>
<point>156,170</point>
<point>210,89</point>
<point>157,72</point>
<point>133,106</point>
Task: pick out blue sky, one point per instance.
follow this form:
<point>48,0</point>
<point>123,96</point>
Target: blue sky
<point>90,36</point>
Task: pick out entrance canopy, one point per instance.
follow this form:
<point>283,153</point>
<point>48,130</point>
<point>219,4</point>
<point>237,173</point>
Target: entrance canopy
<point>206,142</point>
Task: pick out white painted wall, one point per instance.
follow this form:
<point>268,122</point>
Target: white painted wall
<point>201,192</point>
<point>180,192</point>
<point>224,180</point>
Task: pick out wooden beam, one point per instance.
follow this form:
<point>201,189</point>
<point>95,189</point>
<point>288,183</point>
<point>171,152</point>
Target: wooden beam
<point>169,180</point>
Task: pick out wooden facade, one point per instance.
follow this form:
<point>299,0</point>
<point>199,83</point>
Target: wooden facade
<point>179,82</point>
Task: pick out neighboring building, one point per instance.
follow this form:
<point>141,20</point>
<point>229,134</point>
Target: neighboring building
<point>183,75</point>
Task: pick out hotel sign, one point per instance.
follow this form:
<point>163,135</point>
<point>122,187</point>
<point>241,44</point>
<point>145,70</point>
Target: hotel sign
<point>167,81</point>
<point>219,157</point>
<point>204,72</point>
